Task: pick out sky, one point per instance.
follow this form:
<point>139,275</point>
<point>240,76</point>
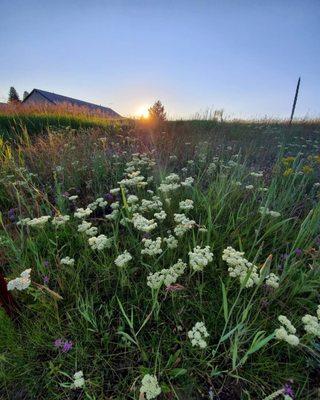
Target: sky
<point>241,56</point>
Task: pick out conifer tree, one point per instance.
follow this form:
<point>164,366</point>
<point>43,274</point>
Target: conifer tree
<point>157,113</point>
<point>13,96</point>
<point>25,94</point>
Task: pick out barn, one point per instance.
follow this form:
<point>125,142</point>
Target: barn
<point>37,96</point>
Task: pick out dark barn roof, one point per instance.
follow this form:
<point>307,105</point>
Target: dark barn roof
<point>58,99</point>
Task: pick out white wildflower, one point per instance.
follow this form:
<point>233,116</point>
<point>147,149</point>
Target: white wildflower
<point>22,282</point>
<point>287,331</point>
<point>152,247</point>
<point>272,280</point>
<point>38,222</point>
<point>23,221</point>
<point>186,205</point>
<point>184,224</point>
<point>188,181</point>
<point>92,231</point>
<point>67,261</point>
<point>123,259</point>
<point>132,199</point>
<point>161,216</point>
<point>100,242</point>
<point>167,276</point>
<point>287,324</point>
<point>82,213</point>
<point>60,220</point>
<point>200,258</point>
<point>150,387</point>
<point>143,224</point>
<point>171,241</point>
<point>84,226</point>
<point>78,380</point>
<point>240,267</point>
<point>198,334</point>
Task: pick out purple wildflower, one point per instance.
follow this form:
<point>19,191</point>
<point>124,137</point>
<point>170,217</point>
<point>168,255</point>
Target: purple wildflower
<point>109,197</point>
<point>67,346</point>
<point>11,215</point>
<point>46,263</point>
<point>63,345</point>
<point>46,280</point>
<point>287,390</point>
<point>298,252</point>
<point>58,343</point>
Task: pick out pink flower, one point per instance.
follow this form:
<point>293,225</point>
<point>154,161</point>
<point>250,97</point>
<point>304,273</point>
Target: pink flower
<point>174,288</point>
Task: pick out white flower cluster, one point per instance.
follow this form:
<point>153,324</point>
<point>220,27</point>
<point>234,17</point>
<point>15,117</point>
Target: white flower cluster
<point>67,261</point>
<point>38,222</point>
<point>78,380</point>
<point>266,211</point>
<point>150,387</point>
<point>92,231</point>
<point>186,205</point>
<point>287,331</point>
<point>22,282</point>
<point>188,182</point>
<point>82,213</point>
<point>167,276</point>
<point>60,220</point>
<point>23,221</point>
<point>133,179</point>
<point>170,183</point>
<point>123,259</point>
<point>272,280</point>
<point>152,247</point>
<point>161,216</point>
<point>113,215</point>
<point>151,205</point>
<point>257,174</point>
<point>171,241</point>
<point>143,224</point>
<point>198,334</point>
<point>84,226</point>
<point>240,267</point>
<point>183,224</point>
<point>140,160</point>
<point>200,258</point>
<point>100,202</point>
<point>100,242</point>
<point>312,323</point>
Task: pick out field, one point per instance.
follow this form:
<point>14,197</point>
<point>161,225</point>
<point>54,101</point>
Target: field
<point>172,262</point>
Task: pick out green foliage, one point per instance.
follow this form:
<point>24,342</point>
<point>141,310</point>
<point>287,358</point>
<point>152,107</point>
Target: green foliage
<point>121,329</point>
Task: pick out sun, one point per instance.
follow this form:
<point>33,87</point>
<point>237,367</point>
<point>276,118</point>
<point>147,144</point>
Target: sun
<point>142,111</point>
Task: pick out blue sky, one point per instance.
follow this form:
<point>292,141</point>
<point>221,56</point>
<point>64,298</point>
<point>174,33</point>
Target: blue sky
<point>242,56</point>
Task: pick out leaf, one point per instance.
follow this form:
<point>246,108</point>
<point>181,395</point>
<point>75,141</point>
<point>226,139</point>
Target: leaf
<point>227,335</point>
<point>124,314</point>
<point>174,373</point>
<point>224,302</point>
<point>128,337</point>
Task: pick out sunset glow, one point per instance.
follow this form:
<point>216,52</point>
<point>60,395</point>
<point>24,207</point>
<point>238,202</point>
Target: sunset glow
<point>142,111</point>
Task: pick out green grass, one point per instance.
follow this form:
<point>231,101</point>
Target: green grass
<point>122,329</point>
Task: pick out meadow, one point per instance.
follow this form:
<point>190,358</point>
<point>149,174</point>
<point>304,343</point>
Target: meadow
<point>172,262</point>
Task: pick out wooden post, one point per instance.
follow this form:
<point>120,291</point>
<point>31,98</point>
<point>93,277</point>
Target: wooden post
<point>295,101</point>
